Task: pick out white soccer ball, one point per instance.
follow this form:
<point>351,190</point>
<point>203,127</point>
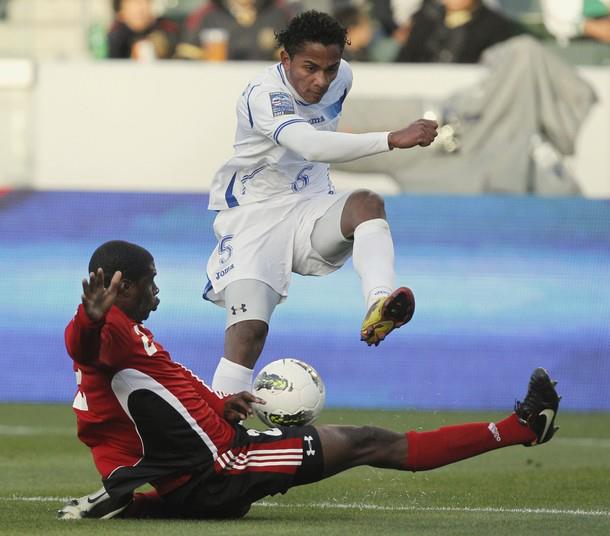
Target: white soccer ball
<point>293,390</point>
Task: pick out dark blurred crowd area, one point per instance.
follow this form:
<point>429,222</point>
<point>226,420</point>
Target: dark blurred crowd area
<point>432,31</point>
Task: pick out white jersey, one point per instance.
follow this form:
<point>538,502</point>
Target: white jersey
<point>261,167</point>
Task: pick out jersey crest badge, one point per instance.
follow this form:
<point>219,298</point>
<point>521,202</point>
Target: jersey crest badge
<point>281,103</point>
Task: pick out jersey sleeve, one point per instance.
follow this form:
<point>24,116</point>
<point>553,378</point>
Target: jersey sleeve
<point>270,109</point>
<point>331,147</point>
<point>83,337</point>
<point>211,397</point>
<point>106,343</point>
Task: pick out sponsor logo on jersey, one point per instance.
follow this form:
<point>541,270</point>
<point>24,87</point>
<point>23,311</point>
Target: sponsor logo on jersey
<point>224,271</point>
<point>317,120</point>
<point>281,103</point>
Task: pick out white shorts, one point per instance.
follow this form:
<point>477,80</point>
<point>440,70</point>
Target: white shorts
<point>268,241</point>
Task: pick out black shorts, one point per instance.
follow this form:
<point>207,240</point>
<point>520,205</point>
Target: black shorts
<point>258,464</point>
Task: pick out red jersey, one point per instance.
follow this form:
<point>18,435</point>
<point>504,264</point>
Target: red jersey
<point>143,415</point>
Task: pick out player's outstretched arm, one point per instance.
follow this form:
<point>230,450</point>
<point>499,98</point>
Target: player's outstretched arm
<point>238,407</point>
<point>422,132</point>
<point>335,147</point>
<point>96,299</point>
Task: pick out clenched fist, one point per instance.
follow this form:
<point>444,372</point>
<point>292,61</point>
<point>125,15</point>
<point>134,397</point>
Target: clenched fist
<point>422,132</point>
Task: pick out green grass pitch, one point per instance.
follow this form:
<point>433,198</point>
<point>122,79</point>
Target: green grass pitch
<point>559,488</point>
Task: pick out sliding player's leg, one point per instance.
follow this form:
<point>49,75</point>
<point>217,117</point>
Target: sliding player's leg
<point>360,219</point>
<point>349,446</point>
<point>329,450</point>
<point>261,463</point>
<point>531,424</point>
<point>249,304</point>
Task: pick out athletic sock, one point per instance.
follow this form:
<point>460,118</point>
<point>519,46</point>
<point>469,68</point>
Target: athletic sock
<point>150,505</point>
<point>231,377</point>
<point>143,505</point>
<point>373,258</point>
<point>428,450</point>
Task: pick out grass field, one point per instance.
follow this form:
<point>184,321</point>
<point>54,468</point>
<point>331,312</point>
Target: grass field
<point>559,488</point>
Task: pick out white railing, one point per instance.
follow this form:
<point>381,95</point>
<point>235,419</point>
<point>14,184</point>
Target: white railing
<point>16,151</point>
<point>168,126</point>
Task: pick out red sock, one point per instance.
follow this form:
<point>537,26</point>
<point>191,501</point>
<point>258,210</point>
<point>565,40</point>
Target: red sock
<point>427,450</point>
<point>145,505</point>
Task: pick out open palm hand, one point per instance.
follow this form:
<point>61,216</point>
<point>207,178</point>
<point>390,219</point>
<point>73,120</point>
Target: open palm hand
<point>96,299</point>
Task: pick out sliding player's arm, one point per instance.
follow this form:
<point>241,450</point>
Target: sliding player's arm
<point>84,339</point>
<point>234,408</point>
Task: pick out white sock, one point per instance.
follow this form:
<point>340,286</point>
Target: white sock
<point>231,377</point>
<point>373,258</point>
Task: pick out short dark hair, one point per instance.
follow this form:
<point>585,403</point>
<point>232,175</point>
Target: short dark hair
<point>117,5</point>
<point>117,255</point>
<point>311,27</point>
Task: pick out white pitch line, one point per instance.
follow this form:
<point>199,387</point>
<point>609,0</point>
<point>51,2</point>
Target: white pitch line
<point>18,498</point>
<point>468,509</point>
<point>381,508</point>
<point>21,430</point>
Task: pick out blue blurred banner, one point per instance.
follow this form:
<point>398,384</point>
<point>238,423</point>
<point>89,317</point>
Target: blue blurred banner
<point>503,284</point>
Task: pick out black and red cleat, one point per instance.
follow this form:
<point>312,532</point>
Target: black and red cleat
<point>539,407</point>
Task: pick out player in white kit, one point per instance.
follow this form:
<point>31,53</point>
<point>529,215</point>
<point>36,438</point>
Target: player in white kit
<point>278,212</point>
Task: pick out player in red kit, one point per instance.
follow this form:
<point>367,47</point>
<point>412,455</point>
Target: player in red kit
<point>147,419</point>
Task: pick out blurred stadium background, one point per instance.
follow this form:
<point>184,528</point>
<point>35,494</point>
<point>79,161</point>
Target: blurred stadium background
<point>94,150</point>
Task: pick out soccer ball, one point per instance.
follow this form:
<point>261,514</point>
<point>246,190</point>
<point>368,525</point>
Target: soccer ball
<point>293,390</point>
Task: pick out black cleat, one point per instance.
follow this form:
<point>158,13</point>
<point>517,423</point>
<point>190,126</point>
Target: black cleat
<point>98,505</point>
<point>539,407</point>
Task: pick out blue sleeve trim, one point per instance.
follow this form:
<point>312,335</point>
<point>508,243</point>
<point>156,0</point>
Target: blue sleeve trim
<point>284,125</point>
<point>229,197</point>
<point>248,105</point>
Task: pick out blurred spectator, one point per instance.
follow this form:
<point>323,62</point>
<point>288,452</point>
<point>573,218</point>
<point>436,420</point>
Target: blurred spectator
<point>453,31</point>
<point>3,4</point>
<point>392,18</point>
<point>394,14</point>
<point>326,6</point>
<point>570,19</point>
<point>359,31</point>
<point>249,25</point>
<point>137,33</point>
<point>510,132</point>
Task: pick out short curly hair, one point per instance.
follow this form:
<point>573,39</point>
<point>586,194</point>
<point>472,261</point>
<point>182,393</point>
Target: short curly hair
<point>117,255</point>
<point>312,27</point>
